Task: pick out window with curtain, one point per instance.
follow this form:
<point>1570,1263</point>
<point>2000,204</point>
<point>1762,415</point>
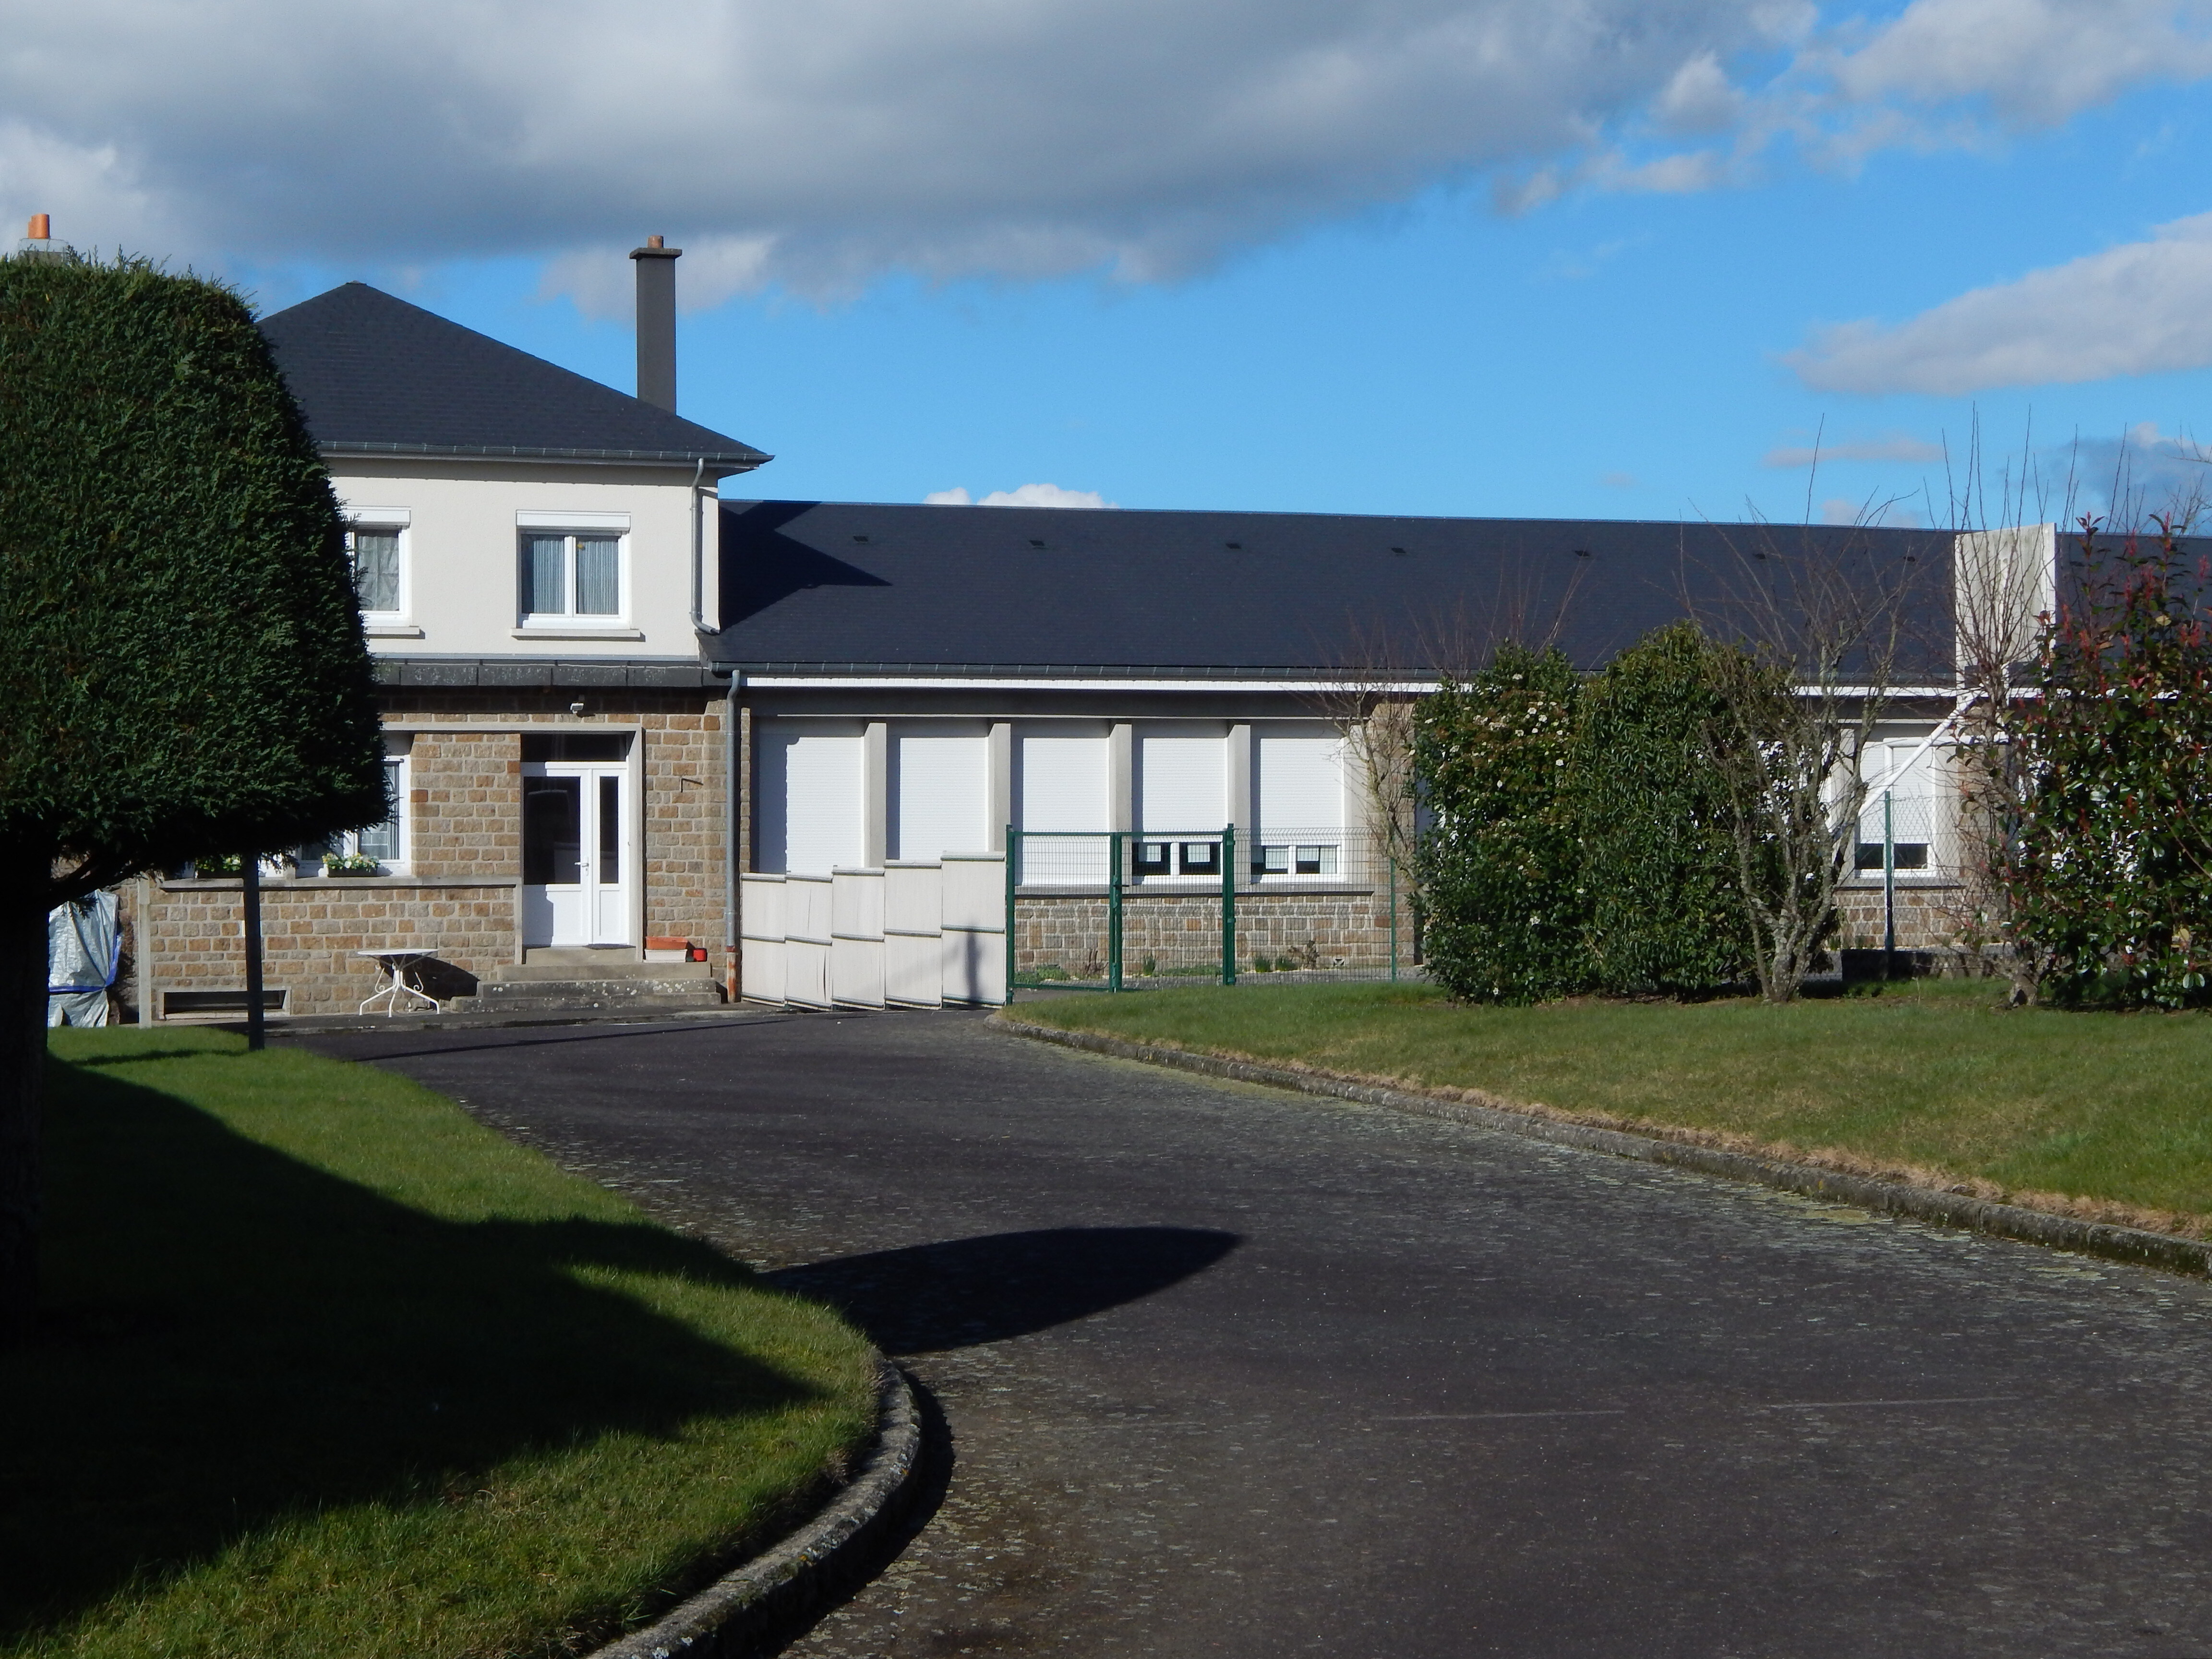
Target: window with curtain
<point>375,556</point>
<point>385,843</point>
<point>571,575</point>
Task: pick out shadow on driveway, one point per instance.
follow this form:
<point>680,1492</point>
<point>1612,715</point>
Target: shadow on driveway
<point>967,1291</point>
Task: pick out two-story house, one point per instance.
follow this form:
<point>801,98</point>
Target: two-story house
<point>536,556</point>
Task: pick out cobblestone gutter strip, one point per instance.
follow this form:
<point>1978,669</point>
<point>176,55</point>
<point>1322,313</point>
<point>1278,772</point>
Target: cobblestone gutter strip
<point>767,1597</point>
<point>1894,1197</point>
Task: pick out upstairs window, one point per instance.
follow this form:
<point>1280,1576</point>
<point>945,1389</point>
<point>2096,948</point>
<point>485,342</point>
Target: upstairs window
<point>575,576</point>
<point>376,549</point>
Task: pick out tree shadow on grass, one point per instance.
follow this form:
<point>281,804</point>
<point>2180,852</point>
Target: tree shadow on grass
<point>967,1291</point>
<point>236,1336</point>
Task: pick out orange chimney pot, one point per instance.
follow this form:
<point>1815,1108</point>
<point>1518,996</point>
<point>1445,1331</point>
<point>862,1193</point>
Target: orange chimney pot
<point>42,228</point>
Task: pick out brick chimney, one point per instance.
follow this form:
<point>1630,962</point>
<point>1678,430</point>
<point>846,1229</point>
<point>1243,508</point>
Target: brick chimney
<point>656,322</point>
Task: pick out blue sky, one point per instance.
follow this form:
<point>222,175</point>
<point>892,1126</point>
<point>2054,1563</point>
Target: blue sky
<point>1329,311</point>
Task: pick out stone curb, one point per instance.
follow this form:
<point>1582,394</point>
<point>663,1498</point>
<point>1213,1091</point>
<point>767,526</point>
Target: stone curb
<point>2132,1244</point>
<point>761,1598</point>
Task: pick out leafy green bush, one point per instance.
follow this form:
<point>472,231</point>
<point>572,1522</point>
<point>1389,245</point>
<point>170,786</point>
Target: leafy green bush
<point>1665,900</point>
<point>2106,856</point>
<point>1500,863</point>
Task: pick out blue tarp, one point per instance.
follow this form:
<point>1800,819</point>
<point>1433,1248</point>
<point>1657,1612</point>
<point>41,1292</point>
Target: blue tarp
<point>84,949</point>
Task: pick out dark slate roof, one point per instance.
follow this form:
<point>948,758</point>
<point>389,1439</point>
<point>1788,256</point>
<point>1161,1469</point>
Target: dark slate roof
<point>833,587</point>
<point>375,374</point>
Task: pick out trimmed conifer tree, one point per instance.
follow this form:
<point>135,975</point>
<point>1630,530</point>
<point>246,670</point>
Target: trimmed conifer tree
<point>184,673</point>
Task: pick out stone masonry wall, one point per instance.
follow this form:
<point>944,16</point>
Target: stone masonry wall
<point>1924,918</point>
<point>310,930</point>
<point>465,845</point>
<point>1066,932</point>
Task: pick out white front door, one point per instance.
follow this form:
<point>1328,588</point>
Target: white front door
<point>575,853</point>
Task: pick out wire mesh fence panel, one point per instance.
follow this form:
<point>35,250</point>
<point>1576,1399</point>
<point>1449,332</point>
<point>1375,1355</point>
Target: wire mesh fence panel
<point>1153,908</point>
<point>1321,904</point>
<point>1059,898</point>
<point>1909,888</point>
<point>1177,909</point>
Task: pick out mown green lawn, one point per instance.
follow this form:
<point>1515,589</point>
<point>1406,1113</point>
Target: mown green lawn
<point>330,1370</point>
<point>2110,1109</point>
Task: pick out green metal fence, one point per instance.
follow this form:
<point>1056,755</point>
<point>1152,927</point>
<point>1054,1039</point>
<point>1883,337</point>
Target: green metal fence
<point>1125,909</point>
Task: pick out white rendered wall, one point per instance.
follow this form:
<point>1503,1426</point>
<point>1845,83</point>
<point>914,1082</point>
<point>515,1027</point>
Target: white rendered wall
<point>461,555</point>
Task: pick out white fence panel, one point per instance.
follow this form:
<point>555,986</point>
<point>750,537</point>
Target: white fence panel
<point>806,941</point>
<point>914,910</point>
<point>974,945</point>
<point>856,933</point>
<point>761,937</point>
<point>975,890</point>
<point>973,966</point>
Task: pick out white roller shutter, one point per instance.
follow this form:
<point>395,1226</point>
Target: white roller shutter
<point>1182,782</point>
<point>1063,787</point>
<point>808,791</point>
<point>1300,784</point>
<point>942,793</point>
<point>1064,783</point>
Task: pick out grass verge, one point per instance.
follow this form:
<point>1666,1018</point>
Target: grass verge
<point>330,1368</point>
<point>2107,1116</point>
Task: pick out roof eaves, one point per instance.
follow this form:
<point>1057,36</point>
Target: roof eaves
<point>735,461</point>
<point>986,671</point>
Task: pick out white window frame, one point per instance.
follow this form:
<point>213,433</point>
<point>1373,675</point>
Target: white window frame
<point>399,761</point>
<point>569,526</point>
<point>385,520</point>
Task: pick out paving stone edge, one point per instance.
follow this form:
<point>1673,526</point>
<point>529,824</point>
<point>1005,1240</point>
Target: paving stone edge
<point>2119,1244</point>
<point>768,1595</point>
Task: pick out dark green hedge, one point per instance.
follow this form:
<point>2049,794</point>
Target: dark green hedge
<point>1666,903</point>
<point>183,671</point>
<point>1499,864</point>
<point>1579,836</point>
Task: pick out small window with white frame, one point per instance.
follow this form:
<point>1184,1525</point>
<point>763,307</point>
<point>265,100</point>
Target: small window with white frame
<point>377,849</point>
<point>573,571</point>
<point>376,550</point>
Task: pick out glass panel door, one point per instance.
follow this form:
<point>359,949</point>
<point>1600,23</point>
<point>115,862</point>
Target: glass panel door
<point>610,891</point>
<point>575,854</point>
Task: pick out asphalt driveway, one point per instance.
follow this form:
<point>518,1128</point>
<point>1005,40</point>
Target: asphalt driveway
<point>1232,1372</point>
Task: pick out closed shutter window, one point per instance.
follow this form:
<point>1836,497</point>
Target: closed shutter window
<point>1182,782</point>
<point>942,790</point>
<point>1064,783</point>
<point>1300,784</point>
<point>809,795</point>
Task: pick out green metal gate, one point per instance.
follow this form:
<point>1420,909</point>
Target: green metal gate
<point>1115,910</point>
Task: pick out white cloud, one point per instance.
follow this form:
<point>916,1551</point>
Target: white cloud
<point>2129,479</point>
<point>817,146</point>
<point>1893,446</point>
<point>2140,308</point>
<point>2033,63</point>
<point>1028,494</point>
<point>1699,99</point>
